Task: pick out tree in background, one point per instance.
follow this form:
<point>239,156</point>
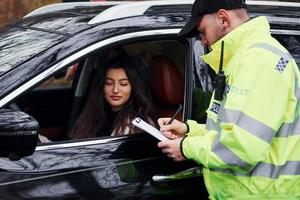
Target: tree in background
<point>12,10</point>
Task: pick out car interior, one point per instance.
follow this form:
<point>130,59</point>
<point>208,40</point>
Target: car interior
<point>57,102</point>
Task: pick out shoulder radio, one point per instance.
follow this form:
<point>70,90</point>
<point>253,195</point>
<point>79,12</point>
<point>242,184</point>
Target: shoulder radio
<point>220,80</point>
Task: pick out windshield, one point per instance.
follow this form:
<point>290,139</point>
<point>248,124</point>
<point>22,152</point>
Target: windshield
<point>19,44</point>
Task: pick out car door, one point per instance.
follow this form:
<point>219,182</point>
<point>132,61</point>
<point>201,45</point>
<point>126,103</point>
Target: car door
<point>108,167</point>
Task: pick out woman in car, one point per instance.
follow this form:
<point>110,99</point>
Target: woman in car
<point>114,101</point>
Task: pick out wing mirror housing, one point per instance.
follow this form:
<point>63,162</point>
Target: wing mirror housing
<point>18,134</point>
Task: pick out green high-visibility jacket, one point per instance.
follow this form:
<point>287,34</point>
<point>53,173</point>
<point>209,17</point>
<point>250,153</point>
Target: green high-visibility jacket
<point>250,145</point>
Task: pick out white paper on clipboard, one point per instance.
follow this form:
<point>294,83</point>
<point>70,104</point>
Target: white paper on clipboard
<point>138,122</point>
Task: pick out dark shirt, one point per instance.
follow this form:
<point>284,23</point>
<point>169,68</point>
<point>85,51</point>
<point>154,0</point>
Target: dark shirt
<point>109,127</point>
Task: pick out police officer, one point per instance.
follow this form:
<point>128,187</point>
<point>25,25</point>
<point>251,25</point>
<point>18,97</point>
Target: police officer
<point>250,145</point>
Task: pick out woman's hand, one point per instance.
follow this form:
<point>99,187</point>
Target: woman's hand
<point>174,130</point>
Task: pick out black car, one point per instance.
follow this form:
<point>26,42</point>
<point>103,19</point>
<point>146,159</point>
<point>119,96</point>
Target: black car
<point>47,60</point>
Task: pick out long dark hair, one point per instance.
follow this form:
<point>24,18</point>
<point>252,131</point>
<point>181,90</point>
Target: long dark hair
<point>93,120</point>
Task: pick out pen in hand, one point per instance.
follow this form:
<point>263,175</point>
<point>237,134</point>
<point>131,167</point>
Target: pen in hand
<point>177,111</point>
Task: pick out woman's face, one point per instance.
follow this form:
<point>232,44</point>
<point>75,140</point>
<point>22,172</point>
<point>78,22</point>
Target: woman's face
<point>117,88</point>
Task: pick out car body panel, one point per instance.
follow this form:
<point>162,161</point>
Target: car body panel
<point>113,167</point>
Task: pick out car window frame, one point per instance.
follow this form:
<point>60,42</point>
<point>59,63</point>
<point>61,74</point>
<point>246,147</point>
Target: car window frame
<point>155,37</point>
<point>115,40</point>
<point>81,54</point>
<point>159,38</point>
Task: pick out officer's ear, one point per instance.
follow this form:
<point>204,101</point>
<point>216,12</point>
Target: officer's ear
<point>224,17</point>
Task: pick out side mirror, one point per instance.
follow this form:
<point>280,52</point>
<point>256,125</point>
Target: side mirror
<point>18,134</point>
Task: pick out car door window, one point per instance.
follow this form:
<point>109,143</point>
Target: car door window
<point>62,79</point>
<point>58,102</point>
<point>162,73</point>
<point>203,77</point>
<point>165,74</point>
<point>50,103</point>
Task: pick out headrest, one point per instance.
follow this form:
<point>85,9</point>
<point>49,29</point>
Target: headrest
<point>167,83</point>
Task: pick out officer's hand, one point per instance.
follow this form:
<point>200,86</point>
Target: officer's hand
<point>174,130</point>
<point>172,149</point>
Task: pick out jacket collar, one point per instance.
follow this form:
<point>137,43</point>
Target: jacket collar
<point>241,37</point>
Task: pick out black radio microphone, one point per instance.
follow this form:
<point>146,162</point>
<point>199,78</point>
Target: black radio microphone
<point>220,79</point>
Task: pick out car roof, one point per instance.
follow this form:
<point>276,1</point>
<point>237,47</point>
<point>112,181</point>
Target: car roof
<point>76,17</point>
<point>119,9</point>
<point>71,5</point>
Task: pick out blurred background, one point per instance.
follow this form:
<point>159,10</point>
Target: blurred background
<point>12,10</point>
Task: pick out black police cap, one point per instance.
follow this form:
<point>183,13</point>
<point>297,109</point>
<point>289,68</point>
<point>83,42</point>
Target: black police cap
<point>203,7</point>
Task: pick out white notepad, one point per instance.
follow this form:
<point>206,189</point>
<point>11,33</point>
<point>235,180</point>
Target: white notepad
<point>138,122</point>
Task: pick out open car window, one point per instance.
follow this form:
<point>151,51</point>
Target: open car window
<point>63,79</point>
<point>161,71</point>
<point>58,102</point>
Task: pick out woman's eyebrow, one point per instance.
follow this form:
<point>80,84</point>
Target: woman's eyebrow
<point>123,79</point>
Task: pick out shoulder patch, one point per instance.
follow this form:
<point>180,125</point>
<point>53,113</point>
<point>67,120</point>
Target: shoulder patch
<point>215,107</point>
<point>281,65</point>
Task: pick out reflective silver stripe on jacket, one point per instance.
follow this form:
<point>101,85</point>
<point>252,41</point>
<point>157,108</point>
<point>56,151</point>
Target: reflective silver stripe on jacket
<point>287,128</point>
<point>211,125</point>
<point>243,121</point>
<point>287,56</point>
<point>247,123</point>
<point>255,128</point>
<point>226,155</point>
<point>292,128</point>
<point>297,88</point>
<point>268,170</point>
